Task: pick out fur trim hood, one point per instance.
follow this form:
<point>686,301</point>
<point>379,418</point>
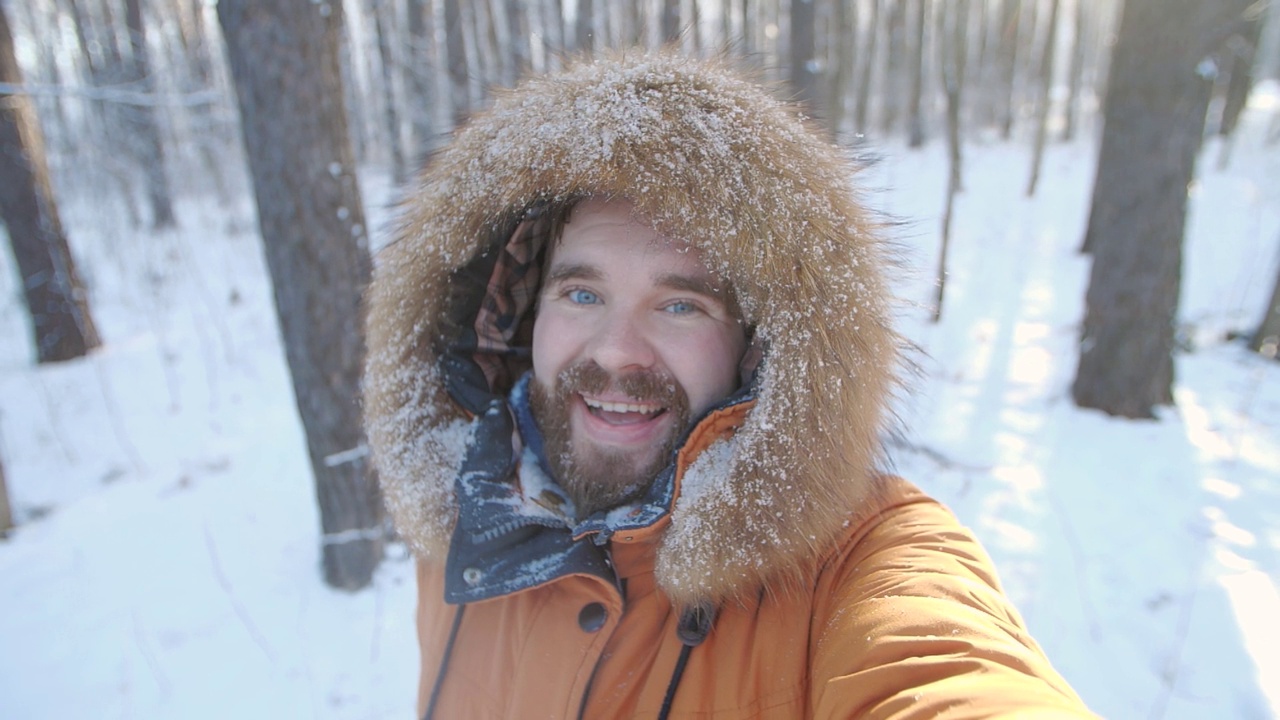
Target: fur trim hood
<point>711,160</point>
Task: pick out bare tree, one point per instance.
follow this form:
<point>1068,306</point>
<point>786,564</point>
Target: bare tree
<point>1043,96</point>
<point>456,52</point>
<point>284,59</point>
<point>1075,75</point>
<point>143,125</point>
<point>1154,118</point>
<point>671,21</point>
<point>55,296</point>
<point>6,512</point>
<point>584,30</point>
<point>867,69</point>
<point>955,18</point>
<point>915,123</point>
<point>1266,339</point>
<point>803,67</point>
<point>1241,49</point>
<point>892,87</point>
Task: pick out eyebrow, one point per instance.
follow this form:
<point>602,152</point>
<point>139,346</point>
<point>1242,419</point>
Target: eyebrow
<point>705,286</point>
<point>689,283</point>
<point>575,271</point>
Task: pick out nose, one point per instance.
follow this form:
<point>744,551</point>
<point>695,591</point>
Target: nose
<point>621,344</point>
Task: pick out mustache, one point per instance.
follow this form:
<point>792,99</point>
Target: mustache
<point>645,385</point>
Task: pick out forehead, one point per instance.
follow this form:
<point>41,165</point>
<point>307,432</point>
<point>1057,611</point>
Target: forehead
<point>607,232</point>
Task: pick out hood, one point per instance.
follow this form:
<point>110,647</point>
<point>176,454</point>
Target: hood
<point>712,160</point>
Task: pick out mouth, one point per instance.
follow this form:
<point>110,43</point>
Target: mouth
<point>629,412</point>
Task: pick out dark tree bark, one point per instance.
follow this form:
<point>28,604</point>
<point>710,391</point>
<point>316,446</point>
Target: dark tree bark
<point>284,59</point>
<point>6,512</point>
<point>1241,52</point>
<point>518,32</point>
<point>841,44</point>
<point>915,123</point>
<point>867,69</point>
<point>803,67</point>
<point>955,51</point>
<point>422,54</point>
<point>1010,19</point>
<point>456,54</point>
<point>1075,76</point>
<point>384,26</point>
<point>1266,339</point>
<point>55,297</point>
<point>584,30</point>
<point>144,127</point>
<point>1043,96</point>
<point>671,21</point>
<point>892,89</point>
<point>1154,118</point>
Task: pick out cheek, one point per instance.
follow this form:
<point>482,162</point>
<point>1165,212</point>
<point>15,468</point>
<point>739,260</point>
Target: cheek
<point>709,367</point>
<point>553,345</point>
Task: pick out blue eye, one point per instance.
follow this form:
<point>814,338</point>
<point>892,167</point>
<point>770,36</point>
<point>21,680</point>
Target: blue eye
<point>680,307</point>
<point>579,296</point>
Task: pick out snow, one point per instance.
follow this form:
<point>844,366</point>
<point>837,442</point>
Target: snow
<point>167,565</point>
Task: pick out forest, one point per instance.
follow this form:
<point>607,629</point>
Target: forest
<point>193,194</point>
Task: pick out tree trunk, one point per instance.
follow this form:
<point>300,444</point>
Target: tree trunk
<point>1075,77</point>
<point>584,32</point>
<point>867,72</point>
<point>284,59</point>
<point>1154,118</point>
<point>1241,50</point>
<point>892,88</point>
<point>915,124</point>
<point>6,511</point>
<point>384,24</point>
<point>1043,96</point>
<point>671,21</point>
<point>143,126</point>
<point>456,52</point>
<point>422,54</point>
<point>55,297</point>
<point>1266,339</point>
<point>1010,18</point>
<point>518,34</point>
<point>955,17</point>
<point>803,67</point>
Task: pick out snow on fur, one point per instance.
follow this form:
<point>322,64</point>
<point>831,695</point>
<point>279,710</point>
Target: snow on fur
<point>714,161</point>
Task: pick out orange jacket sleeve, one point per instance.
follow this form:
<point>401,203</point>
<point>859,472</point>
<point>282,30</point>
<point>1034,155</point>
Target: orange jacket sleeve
<point>913,624</point>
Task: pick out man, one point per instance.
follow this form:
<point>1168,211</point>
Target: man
<point>629,368</point>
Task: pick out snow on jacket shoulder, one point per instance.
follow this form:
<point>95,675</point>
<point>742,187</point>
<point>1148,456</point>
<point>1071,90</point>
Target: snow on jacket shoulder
<point>770,569</point>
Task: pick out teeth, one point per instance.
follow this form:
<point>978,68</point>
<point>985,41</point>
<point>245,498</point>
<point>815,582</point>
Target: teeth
<point>621,407</point>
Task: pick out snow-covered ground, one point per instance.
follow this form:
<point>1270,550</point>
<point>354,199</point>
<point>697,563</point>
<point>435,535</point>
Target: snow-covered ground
<point>167,565</point>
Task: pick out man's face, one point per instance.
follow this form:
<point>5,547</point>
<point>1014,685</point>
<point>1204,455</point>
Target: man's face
<point>634,336</point>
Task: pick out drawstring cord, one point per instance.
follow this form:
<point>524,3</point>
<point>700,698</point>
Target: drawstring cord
<point>444,663</point>
<point>694,626</point>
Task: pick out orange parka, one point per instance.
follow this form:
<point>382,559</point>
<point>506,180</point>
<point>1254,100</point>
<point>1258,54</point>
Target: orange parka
<point>769,570</point>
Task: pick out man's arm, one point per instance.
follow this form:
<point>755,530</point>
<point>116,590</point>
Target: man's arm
<point>911,623</point>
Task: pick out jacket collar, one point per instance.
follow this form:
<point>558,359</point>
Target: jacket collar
<point>516,527</point>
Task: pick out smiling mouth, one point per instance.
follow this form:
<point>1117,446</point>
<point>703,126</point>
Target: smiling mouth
<point>623,413</point>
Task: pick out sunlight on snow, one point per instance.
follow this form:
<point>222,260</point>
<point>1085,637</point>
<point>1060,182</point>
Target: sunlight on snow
<point>1256,603</point>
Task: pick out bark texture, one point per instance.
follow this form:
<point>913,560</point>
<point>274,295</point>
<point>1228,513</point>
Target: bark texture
<point>284,59</point>
<point>54,294</point>
<point>1154,119</point>
<point>1266,339</point>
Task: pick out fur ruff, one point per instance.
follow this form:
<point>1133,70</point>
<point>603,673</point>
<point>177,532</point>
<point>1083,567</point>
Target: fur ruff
<point>712,160</point>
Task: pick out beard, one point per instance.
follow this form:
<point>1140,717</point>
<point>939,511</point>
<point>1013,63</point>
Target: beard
<point>601,478</point>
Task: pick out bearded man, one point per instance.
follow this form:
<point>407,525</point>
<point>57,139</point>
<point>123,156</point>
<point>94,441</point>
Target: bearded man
<point>630,359</point>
